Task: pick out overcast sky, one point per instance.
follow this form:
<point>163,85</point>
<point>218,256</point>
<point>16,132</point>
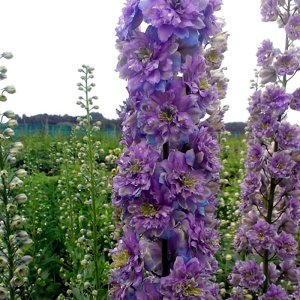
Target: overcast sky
<point>51,39</point>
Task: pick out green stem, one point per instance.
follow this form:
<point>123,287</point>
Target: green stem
<point>93,187</point>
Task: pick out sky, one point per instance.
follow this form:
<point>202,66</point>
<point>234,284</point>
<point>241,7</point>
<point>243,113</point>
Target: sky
<point>51,39</point>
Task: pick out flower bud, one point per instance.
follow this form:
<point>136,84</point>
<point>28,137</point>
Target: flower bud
<point>8,132</point>
<point>3,293</point>
<point>10,89</point>
<point>21,173</point>
<point>7,55</point>
<point>12,123</point>
<point>3,262</point>
<point>21,198</point>
<point>17,281</point>
<point>9,114</point>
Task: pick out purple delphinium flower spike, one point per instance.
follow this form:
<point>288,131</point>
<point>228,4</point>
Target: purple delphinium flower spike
<point>270,194</point>
<point>166,189</point>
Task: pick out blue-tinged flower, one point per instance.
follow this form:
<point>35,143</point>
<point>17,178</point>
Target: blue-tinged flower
<point>169,116</point>
<point>130,19</point>
<point>179,17</point>
<point>269,10</point>
<point>136,167</point>
<point>145,62</point>
<point>204,151</point>
<point>292,27</point>
<point>185,183</point>
<point>247,274</point>
<point>275,292</point>
<point>188,280</point>
<point>212,25</point>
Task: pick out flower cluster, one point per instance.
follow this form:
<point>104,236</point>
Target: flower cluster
<point>270,192</point>
<point>14,240</point>
<point>168,175</point>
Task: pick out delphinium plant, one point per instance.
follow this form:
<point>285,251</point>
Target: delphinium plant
<point>168,174</point>
<point>270,198</point>
<point>85,209</point>
<point>13,238</point>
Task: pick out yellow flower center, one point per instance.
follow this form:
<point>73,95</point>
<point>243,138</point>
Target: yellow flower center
<point>148,210</point>
<point>135,167</point>
<point>120,259</point>
<point>188,181</point>
<point>167,114</point>
<point>144,54</point>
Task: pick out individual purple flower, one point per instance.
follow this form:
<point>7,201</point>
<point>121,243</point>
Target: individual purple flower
<point>184,182</point>
<point>269,10</point>
<point>204,152</point>
<point>295,100</point>
<point>180,17</point>
<point>280,165</point>
<point>286,246</point>
<point>287,63</point>
<point>251,184</point>
<point>264,125</point>
<point>265,53</point>
<point>136,166</point>
<point>288,269</point>
<point>169,115</point>
<point>293,27</point>
<point>247,274</point>
<point>127,266</point>
<point>288,136</point>
<point>146,63</point>
<point>201,238</point>
<point>212,26</point>
<point>193,70</point>
<point>130,19</point>
<point>241,241</point>
<point>275,99</point>
<point>213,58</point>
<point>262,235</point>
<point>255,157</point>
<point>275,292</point>
<point>187,281</point>
<point>148,215</point>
